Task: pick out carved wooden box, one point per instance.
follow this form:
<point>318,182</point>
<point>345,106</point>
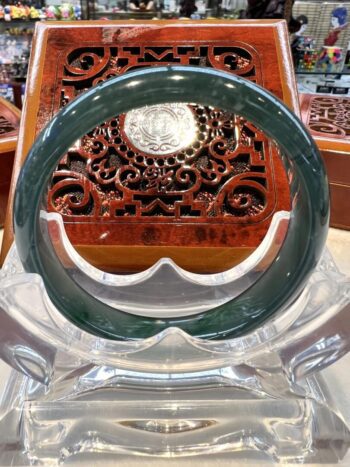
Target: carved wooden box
<point>9,126</point>
<point>328,119</point>
<point>128,201</point>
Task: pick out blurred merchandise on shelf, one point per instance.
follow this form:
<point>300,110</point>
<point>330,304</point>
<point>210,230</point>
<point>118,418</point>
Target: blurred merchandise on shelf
<point>331,56</point>
<point>17,23</point>
<point>330,60</point>
<point>199,9</point>
<point>318,48</point>
<point>320,21</point>
<point>6,91</point>
<point>15,43</point>
<point>338,23</point>
<point>327,36</point>
<point>19,12</point>
<point>306,59</point>
<point>63,11</point>
<point>321,46</point>
<point>54,10</point>
<point>304,53</point>
<point>14,55</point>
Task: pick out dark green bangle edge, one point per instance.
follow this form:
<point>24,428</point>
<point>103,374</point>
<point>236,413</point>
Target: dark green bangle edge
<point>280,284</point>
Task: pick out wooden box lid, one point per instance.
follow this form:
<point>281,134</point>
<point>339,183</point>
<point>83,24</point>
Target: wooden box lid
<point>328,119</point>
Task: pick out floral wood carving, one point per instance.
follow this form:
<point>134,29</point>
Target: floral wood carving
<point>330,116</point>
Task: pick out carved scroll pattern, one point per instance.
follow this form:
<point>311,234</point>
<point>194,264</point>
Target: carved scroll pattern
<point>88,66</point>
<point>330,116</point>
<point>6,126</point>
<point>225,173</point>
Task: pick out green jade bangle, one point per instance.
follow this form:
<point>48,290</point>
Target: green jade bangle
<point>280,284</point>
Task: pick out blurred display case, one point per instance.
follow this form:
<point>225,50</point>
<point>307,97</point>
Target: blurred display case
<point>337,84</point>
<point>321,48</point>
<point>319,14</point>
<point>15,44</point>
<point>17,24</point>
<point>122,9</point>
<point>327,75</point>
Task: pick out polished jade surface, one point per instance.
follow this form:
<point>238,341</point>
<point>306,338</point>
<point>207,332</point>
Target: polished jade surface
<point>282,282</point>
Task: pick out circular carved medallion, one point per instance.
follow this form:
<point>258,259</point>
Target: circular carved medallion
<point>161,129</point>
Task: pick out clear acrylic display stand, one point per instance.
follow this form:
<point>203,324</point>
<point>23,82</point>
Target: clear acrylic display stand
<point>72,395</point>
<point>172,395</point>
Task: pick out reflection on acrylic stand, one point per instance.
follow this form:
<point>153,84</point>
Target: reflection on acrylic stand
<point>86,395</point>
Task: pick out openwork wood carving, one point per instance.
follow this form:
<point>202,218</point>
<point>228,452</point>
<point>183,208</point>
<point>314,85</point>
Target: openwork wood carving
<point>221,174</point>
<point>86,67</point>
<point>330,116</point>
<point>6,126</point>
<point>224,172</point>
<point>9,119</point>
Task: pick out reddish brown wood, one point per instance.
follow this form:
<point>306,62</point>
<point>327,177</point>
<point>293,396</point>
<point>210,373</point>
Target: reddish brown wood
<point>202,197</point>
<point>9,126</point>
<point>327,116</point>
<point>328,119</point>
<point>9,119</point>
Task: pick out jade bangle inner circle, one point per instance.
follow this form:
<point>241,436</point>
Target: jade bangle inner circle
<point>273,291</point>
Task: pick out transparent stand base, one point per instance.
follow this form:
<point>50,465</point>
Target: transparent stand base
<point>121,423</point>
<point>260,398</point>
